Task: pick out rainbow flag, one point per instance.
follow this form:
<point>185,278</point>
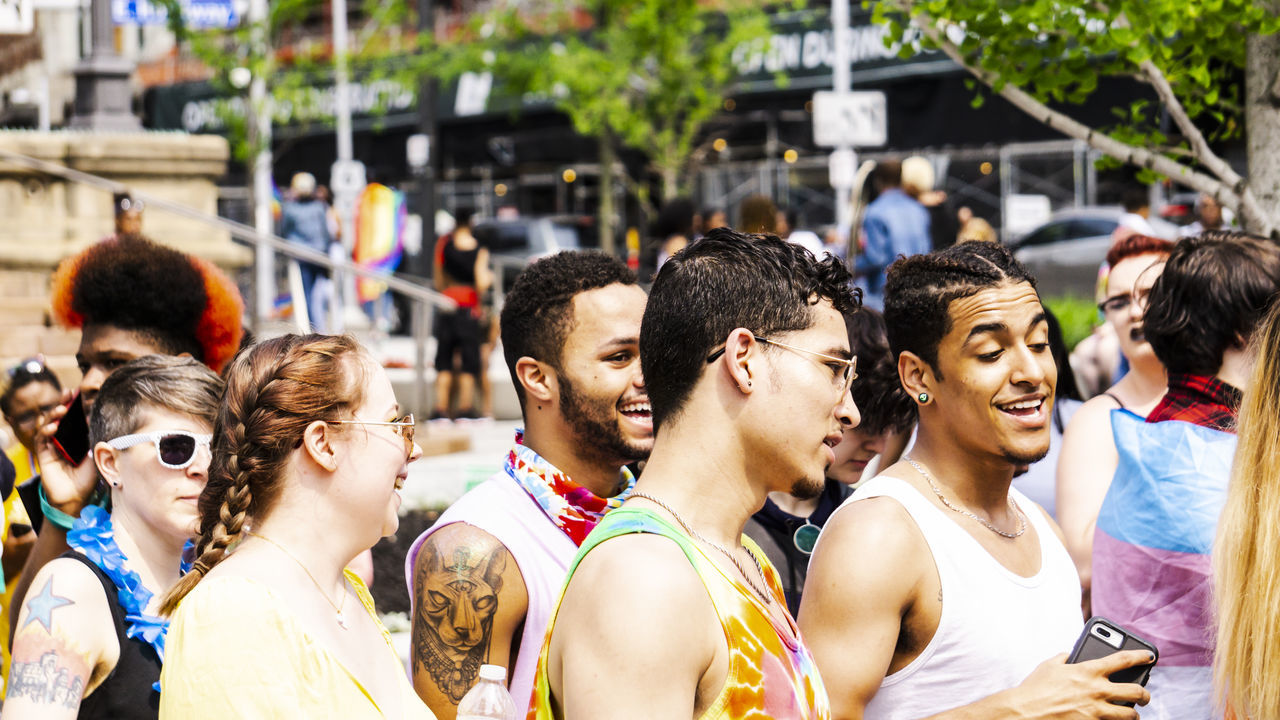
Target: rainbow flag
<point>1151,562</point>
<point>379,221</point>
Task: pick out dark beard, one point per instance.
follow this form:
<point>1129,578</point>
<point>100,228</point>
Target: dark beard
<point>595,425</point>
<point>806,489</point>
<point>1024,460</point>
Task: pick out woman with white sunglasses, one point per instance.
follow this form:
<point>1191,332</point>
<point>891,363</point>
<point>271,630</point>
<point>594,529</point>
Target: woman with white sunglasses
<point>90,639</point>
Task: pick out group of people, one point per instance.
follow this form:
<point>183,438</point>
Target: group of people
<point>672,532</point>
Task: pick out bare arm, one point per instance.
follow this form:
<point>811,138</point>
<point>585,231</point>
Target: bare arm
<point>60,647</point>
<point>639,636</point>
<point>852,612</point>
<point>855,610</point>
<point>469,603</point>
<point>484,273</point>
<point>68,489</point>
<point>1085,467</point>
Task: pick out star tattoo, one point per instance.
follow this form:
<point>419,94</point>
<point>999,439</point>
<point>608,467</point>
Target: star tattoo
<point>40,608</point>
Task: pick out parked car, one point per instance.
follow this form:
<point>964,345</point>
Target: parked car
<point>1065,253</point>
<point>513,244</point>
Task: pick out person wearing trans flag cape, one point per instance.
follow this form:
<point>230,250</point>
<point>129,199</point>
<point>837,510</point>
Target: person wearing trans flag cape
<point>1151,564</point>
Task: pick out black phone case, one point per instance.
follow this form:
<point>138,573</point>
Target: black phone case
<point>1089,647</point>
<point>72,436</point>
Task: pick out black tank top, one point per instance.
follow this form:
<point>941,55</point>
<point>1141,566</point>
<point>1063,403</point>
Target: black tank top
<point>460,264</point>
<point>127,692</point>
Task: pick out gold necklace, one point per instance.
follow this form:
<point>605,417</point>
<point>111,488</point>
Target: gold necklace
<point>1013,507</point>
<point>337,609</point>
<point>766,597</point>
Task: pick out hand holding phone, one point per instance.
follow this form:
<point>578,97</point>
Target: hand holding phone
<point>1101,638</point>
<point>67,473</point>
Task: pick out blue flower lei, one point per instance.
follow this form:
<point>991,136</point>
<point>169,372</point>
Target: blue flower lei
<point>92,535</point>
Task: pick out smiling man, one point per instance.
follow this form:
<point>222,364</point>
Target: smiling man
<point>670,611</point>
<point>485,577</point>
<point>937,590</point>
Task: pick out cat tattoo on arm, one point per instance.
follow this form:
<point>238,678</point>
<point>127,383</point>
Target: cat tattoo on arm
<point>457,596</point>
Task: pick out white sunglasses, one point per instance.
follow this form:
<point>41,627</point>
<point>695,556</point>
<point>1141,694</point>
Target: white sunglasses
<point>175,449</point>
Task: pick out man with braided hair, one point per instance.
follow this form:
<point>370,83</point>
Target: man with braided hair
<point>129,297</point>
<point>937,590</point>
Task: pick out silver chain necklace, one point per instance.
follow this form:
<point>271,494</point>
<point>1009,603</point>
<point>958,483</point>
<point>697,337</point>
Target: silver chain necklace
<point>1013,507</point>
<point>766,597</point>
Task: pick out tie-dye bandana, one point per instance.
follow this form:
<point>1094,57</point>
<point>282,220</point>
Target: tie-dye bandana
<point>573,508</point>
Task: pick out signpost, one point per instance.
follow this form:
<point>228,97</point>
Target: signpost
<point>850,119</point>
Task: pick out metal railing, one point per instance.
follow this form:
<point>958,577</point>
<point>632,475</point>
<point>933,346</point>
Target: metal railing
<point>423,298</point>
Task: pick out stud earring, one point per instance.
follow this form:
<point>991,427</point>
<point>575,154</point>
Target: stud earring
<point>923,398</point>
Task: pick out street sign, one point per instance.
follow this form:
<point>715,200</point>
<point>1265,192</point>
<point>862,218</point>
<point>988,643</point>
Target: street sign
<point>859,119</point>
<point>842,168</point>
<point>346,178</point>
<point>16,17</point>
<point>417,150</point>
<point>196,14</point>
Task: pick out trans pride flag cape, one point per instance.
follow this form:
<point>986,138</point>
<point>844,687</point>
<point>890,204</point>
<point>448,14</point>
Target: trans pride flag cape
<point>379,220</point>
<point>1151,567</point>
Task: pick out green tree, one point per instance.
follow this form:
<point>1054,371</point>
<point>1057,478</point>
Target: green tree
<point>644,74</point>
<point>1041,54</point>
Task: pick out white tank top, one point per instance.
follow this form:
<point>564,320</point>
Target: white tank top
<point>995,627</point>
<point>542,551</point>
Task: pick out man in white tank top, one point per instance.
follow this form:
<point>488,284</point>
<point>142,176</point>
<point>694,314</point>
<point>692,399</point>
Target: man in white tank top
<point>485,578</point>
<point>936,589</point>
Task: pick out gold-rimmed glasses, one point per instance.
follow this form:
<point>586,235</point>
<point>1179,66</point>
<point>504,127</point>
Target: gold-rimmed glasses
<point>405,425</point>
<point>843,372</point>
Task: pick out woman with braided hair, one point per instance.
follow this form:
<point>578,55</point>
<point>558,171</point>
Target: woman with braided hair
<point>309,453</point>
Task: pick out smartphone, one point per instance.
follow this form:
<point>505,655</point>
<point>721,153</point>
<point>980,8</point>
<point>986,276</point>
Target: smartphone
<point>1101,638</point>
<point>71,439</point>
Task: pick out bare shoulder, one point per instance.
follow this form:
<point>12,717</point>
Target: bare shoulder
<point>1094,414</point>
<point>879,522</point>
<point>469,602</point>
<point>635,584</point>
<point>65,592</point>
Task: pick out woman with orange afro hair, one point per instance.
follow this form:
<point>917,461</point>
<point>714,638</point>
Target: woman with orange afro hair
<point>129,297</point>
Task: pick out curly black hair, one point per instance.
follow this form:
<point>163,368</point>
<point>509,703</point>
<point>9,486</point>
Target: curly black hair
<point>138,285</point>
<point>1210,297</point>
<point>877,391</point>
<point>537,314</point>
<point>920,288</point>
<point>722,281</point>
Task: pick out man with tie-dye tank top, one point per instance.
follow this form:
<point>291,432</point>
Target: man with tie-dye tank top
<point>669,610</point>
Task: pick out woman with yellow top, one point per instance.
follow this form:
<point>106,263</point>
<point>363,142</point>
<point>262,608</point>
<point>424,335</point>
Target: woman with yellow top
<point>309,453</point>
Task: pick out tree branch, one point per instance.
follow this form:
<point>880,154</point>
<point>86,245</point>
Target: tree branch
<point>1218,188</point>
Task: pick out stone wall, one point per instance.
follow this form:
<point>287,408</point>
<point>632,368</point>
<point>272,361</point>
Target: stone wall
<point>47,218</point>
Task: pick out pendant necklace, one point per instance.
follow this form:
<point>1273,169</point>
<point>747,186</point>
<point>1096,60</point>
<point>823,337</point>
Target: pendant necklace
<point>337,608</point>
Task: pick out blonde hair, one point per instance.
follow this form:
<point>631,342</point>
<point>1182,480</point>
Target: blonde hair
<point>274,390</point>
<point>917,175</point>
<point>1246,555</point>
<point>977,230</point>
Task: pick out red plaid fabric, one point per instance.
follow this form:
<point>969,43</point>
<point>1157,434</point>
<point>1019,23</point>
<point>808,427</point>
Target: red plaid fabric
<point>1200,399</point>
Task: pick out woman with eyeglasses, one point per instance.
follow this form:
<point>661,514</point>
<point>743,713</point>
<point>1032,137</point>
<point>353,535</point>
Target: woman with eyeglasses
<point>1088,457</point>
<point>309,452</point>
<point>30,390</point>
<point>90,640</point>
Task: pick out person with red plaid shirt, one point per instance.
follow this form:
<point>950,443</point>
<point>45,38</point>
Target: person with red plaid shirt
<point>1151,567</point>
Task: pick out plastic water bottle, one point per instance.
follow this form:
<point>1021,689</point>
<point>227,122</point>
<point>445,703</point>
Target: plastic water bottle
<point>488,699</point>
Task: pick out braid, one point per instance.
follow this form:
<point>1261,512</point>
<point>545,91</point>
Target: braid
<point>274,391</point>
<point>920,288</point>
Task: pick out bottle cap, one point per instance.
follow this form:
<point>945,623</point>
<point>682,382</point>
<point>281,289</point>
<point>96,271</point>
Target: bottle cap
<point>496,673</point>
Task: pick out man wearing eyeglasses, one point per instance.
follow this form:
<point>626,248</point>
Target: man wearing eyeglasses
<point>484,579</point>
<point>670,611</point>
<point>937,590</point>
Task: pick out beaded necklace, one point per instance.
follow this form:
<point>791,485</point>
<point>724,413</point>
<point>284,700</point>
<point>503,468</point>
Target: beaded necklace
<point>93,535</point>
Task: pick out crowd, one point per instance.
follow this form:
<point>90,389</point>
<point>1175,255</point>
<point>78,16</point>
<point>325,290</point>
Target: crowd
<point>742,494</point>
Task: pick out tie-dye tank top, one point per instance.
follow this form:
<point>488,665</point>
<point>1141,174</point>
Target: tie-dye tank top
<point>771,672</point>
